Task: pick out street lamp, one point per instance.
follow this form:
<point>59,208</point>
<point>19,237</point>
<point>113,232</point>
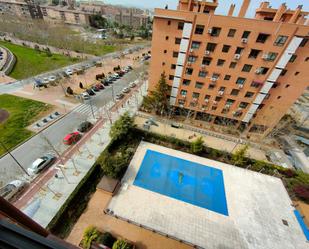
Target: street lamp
<point>6,149</point>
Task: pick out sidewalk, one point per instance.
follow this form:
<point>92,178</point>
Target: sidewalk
<point>211,141</point>
<point>47,195</point>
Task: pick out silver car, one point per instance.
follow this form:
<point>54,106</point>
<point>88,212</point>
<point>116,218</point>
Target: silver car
<point>10,190</point>
<point>41,163</point>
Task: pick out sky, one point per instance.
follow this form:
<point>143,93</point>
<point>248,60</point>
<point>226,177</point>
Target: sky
<point>221,10</point>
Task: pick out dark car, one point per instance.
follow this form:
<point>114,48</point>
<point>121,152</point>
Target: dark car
<point>90,92</point>
<point>85,126</point>
<point>105,82</point>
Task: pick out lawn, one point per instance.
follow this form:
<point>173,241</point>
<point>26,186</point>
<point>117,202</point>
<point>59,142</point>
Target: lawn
<point>31,62</point>
<point>22,113</point>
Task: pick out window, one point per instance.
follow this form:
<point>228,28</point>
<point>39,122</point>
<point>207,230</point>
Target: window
<point>218,98</point>
<point>183,92</point>
<point>279,97</point>
<point>220,62</point>
<point>293,58</point>
<point>163,63</point>
<point>202,74</point>
<point>171,77</point>
<point>296,73</point>
<point>195,45</point>
<point>173,66</point>
<point>281,39</point>
<point>177,40</point>
<point>233,64</point>
<point>215,75</point>
<point>195,95</point>
<point>207,97</point>
<point>169,22</point>
<point>307,59</point>
<point>303,42</point>
<point>254,53</point>
<point>255,84</point>
<point>211,86</point>
<point>249,94</point>
<point>240,81</point>
<point>263,70</point>
<point>271,56</point>
<point>199,85</point>
<point>206,61</point>
<point>213,108</point>
<point>283,72</point>
<point>245,34</point>
<point>234,92</point>
<point>239,50</point>
<point>229,102</point>
<point>175,54</point>
<point>231,33</point>
<point>165,51</point>
<point>211,46</point>
<point>287,86</point>
<point>227,77</point>
<point>215,31</point>
<point>166,38</point>
<point>189,71</point>
<point>262,38</point>
<point>192,58</point>
<point>222,89</point>
<point>186,82</point>
<point>226,48</point>
<point>246,68</point>
<point>180,25</point>
<point>199,29</point>
<point>243,105</point>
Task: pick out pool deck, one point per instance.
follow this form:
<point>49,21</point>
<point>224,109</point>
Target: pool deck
<point>257,205</point>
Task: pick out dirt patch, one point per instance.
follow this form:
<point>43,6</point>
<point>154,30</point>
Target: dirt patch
<point>4,114</point>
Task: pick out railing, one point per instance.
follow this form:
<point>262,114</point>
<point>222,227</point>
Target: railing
<point>111,213</point>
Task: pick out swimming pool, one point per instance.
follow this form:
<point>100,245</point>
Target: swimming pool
<point>183,180</point>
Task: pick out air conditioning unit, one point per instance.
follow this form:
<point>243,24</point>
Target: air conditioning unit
<point>206,100</point>
<point>237,56</point>
<point>227,106</point>
<point>207,52</point>
<point>258,70</point>
<point>189,64</point>
<point>181,106</point>
<point>194,99</point>
<point>220,93</point>
<point>203,66</point>
<point>244,40</point>
<point>191,50</point>
<point>209,31</point>
<point>215,102</point>
<point>240,86</point>
<point>265,56</point>
<point>214,79</point>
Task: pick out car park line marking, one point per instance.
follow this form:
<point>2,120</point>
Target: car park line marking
<point>65,102</point>
<point>24,92</point>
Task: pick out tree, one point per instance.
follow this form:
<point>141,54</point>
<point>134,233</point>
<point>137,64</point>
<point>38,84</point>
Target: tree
<point>122,244</point>
<point>90,234</point>
<point>55,2</point>
<point>239,157</point>
<point>122,126</point>
<point>158,100</point>
<point>97,21</point>
<point>197,146</point>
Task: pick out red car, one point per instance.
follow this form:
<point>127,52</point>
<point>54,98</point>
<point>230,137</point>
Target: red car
<point>72,138</point>
<point>100,86</point>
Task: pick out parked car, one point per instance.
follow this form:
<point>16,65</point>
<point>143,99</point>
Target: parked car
<point>116,75</point>
<point>52,78</point>
<point>72,138</point>
<point>45,81</point>
<point>41,163</point>
<point>95,88</point>
<point>69,72</point>
<point>126,90</point>
<point>90,92</point>
<point>85,126</point>
<point>119,96</point>
<point>132,84</point>
<point>10,190</point>
<point>105,82</point>
<point>84,96</point>
<point>100,86</point>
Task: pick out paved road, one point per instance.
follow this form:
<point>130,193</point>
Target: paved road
<point>37,146</point>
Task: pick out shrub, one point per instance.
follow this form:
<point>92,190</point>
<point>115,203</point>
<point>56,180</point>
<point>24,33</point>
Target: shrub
<point>122,127</point>
<point>302,192</point>
<point>122,244</point>
<point>288,173</point>
<point>197,146</point>
<point>238,158</point>
<point>90,234</point>
<point>107,239</point>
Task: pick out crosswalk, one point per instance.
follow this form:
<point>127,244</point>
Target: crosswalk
<point>86,109</point>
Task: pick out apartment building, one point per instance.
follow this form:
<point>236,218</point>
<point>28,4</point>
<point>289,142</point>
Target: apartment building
<point>22,9</point>
<point>232,70</point>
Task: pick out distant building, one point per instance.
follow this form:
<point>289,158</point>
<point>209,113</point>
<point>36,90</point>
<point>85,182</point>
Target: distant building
<point>23,9</point>
<point>232,70</point>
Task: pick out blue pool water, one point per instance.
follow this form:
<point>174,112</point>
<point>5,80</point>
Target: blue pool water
<point>183,180</point>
